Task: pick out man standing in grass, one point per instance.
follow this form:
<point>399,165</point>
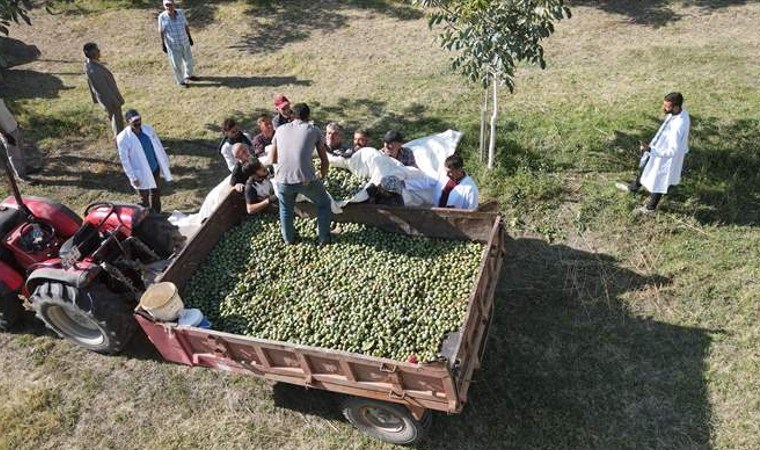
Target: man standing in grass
<point>103,87</point>
<point>176,42</point>
<point>662,159</point>
<point>144,160</point>
<point>292,146</point>
<point>10,136</point>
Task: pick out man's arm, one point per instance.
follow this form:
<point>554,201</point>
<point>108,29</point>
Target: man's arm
<point>324,165</point>
<point>253,208</point>
<point>273,153</point>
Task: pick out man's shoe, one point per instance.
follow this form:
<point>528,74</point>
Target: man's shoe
<point>183,85</point>
<point>625,187</point>
<point>644,211</point>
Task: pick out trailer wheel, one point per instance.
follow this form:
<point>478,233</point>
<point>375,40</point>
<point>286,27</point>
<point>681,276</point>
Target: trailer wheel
<point>93,318</point>
<point>388,422</point>
<point>10,310</point>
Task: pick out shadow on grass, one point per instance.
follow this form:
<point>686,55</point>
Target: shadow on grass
<point>720,183</point>
<point>22,84</point>
<point>235,82</point>
<point>654,13</point>
<point>377,117</point>
<point>567,366</point>
<point>279,23</point>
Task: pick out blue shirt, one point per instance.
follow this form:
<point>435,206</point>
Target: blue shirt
<point>150,153</point>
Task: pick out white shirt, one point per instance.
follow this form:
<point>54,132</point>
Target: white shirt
<point>7,122</point>
<point>463,196</point>
<point>133,159</point>
<point>667,151</point>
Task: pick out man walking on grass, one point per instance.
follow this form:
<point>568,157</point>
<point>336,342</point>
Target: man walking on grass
<point>292,146</point>
<point>10,136</point>
<point>176,42</point>
<point>144,160</point>
<point>662,159</point>
<point>103,87</point>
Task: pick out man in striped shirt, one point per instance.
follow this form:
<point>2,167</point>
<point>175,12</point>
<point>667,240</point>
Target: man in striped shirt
<point>176,42</point>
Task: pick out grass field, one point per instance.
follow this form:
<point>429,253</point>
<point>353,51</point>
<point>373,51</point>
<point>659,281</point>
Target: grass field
<point>611,331</point>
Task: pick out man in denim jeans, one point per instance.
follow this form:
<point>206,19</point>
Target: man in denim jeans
<point>293,144</point>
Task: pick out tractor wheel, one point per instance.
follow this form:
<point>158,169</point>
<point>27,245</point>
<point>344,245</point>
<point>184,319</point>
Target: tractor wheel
<point>159,234</point>
<point>385,421</point>
<point>94,318</point>
<point>10,310</point>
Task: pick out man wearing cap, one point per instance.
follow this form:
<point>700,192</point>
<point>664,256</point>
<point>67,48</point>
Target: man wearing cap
<point>10,135</point>
<point>392,146</point>
<point>103,87</point>
<point>292,147</point>
<point>264,138</point>
<point>284,113</point>
<point>259,191</point>
<point>144,160</point>
<point>176,42</point>
<point>455,188</point>
<point>232,135</point>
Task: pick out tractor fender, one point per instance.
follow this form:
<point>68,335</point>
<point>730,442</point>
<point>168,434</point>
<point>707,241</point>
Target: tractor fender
<point>77,277</point>
<point>10,279</point>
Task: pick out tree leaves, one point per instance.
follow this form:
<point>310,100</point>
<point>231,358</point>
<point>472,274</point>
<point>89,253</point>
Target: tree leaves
<point>491,37</point>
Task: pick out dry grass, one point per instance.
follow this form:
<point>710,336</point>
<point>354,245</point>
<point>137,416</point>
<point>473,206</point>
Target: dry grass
<point>620,334</point>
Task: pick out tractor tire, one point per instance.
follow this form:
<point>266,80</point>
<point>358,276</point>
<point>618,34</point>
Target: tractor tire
<point>159,234</point>
<point>93,318</point>
<point>10,310</point>
<point>385,421</point>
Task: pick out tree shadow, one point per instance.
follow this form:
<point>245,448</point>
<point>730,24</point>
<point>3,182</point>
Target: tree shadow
<point>21,84</point>
<point>720,183</point>
<point>567,366</point>
<point>654,13</point>
<point>279,23</point>
<point>248,82</point>
<point>376,117</point>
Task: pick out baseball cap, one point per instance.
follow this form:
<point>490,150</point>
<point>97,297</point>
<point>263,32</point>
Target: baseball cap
<point>280,101</point>
<point>393,136</point>
<point>131,115</point>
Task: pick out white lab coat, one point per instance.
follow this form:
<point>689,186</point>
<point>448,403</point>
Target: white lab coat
<point>463,196</point>
<point>226,152</point>
<point>134,161</point>
<point>667,152</point>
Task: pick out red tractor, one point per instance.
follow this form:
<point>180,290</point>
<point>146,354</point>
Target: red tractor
<point>83,278</point>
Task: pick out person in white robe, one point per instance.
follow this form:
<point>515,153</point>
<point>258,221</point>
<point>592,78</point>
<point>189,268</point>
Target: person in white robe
<point>455,188</point>
<point>662,158</point>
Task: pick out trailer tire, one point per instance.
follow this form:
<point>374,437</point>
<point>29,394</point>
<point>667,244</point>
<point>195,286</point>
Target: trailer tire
<point>93,318</point>
<point>385,421</point>
<point>159,234</point>
<point>10,310</point>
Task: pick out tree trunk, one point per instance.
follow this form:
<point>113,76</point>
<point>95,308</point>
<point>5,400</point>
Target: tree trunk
<point>494,116</point>
<point>483,112</point>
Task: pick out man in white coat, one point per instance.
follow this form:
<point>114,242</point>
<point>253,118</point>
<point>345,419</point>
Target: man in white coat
<point>662,159</point>
<point>455,188</point>
<point>144,160</point>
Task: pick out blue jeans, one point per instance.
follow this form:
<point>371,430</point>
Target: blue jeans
<point>314,191</point>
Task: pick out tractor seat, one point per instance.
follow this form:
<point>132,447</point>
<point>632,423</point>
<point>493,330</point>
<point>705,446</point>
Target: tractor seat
<point>85,241</point>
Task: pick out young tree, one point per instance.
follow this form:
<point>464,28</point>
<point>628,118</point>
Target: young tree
<point>490,38</point>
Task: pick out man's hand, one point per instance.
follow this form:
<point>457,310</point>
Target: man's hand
<point>136,183</point>
<point>240,187</point>
<point>163,47</point>
<point>643,146</point>
<point>9,139</point>
<point>189,38</point>
<point>273,200</point>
